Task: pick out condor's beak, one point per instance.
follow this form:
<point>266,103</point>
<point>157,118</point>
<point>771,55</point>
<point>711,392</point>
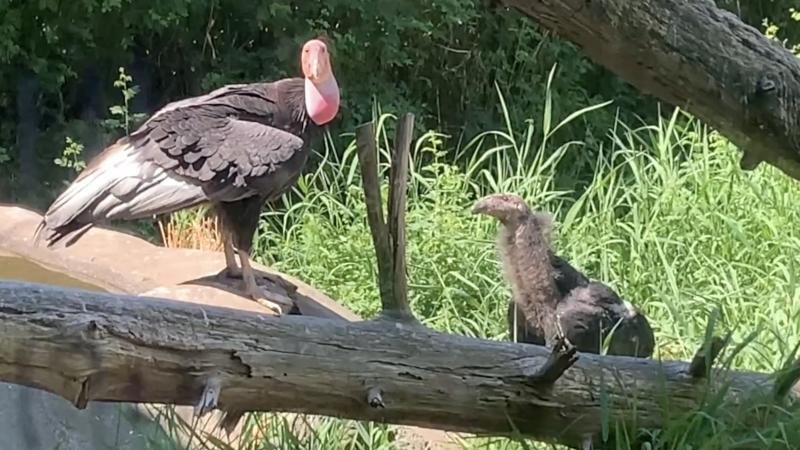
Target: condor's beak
<point>480,206</point>
<point>315,69</point>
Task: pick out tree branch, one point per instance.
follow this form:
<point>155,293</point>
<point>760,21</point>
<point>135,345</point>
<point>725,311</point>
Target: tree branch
<point>562,357</point>
<point>693,55</point>
<point>88,346</point>
<point>705,356</point>
<point>398,186</point>
<point>368,161</point>
<point>390,242</point>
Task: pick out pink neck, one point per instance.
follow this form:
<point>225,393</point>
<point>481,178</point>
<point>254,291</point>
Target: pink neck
<point>322,100</point>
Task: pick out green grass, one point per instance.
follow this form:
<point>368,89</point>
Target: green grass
<point>667,218</point>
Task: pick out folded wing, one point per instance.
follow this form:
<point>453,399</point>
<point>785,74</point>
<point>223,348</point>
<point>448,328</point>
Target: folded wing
<point>184,155</point>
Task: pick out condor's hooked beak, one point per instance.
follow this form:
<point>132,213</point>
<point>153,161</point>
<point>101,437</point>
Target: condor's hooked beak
<point>481,206</point>
<point>315,68</point>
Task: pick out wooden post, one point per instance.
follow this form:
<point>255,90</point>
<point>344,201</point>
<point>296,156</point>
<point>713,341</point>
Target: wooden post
<point>388,236</point>
<point>368,160</point>
<point>398,190</point>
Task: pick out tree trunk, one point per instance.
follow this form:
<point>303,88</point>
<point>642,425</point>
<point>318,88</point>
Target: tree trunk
<point>88,346</point>
<point>693,55</point>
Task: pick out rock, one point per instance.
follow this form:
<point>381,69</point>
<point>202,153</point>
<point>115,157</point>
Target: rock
<point>121,263</point>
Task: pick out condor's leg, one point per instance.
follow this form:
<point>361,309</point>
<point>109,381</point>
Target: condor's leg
<point>231,268</point>
<point>275,302</point>
<point>241,219</point>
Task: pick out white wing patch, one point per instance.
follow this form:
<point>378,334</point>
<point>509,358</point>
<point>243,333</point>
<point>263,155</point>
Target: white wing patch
<point>123,186</point>
<point>630,310</point>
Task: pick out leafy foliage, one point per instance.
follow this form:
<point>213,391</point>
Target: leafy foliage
<point>71,157</point>
<point>440,60</point>
<point>780,14</point>
<point>122,111</point>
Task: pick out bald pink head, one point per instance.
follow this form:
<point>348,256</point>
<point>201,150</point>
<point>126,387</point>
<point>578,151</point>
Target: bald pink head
<point>321,89</point>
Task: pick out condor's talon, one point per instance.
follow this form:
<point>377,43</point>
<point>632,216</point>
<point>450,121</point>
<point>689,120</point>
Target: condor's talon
<point>272,306</point>
<point>268,300</point>
<point>271,301</point>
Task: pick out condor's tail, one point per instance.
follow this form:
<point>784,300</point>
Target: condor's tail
<point>118,184</point>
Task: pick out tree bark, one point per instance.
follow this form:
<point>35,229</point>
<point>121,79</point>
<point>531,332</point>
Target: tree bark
<point>692,54</point>
<point>87,346</point>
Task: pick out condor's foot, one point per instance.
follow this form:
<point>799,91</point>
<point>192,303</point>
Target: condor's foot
<point>279,281</point>
<point>232,270</point>
<point>278,306</point>
<point>272,301</point>
<point>236,273</point>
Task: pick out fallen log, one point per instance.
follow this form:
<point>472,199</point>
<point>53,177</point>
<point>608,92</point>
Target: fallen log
<point>696,56</point>
<point>87,346</point>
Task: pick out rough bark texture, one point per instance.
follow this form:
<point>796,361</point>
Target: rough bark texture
<point>692,54</point>
<point>89,346</point>
<point>389,234</point>
<point>368,160</point>
<point>398,192</point>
